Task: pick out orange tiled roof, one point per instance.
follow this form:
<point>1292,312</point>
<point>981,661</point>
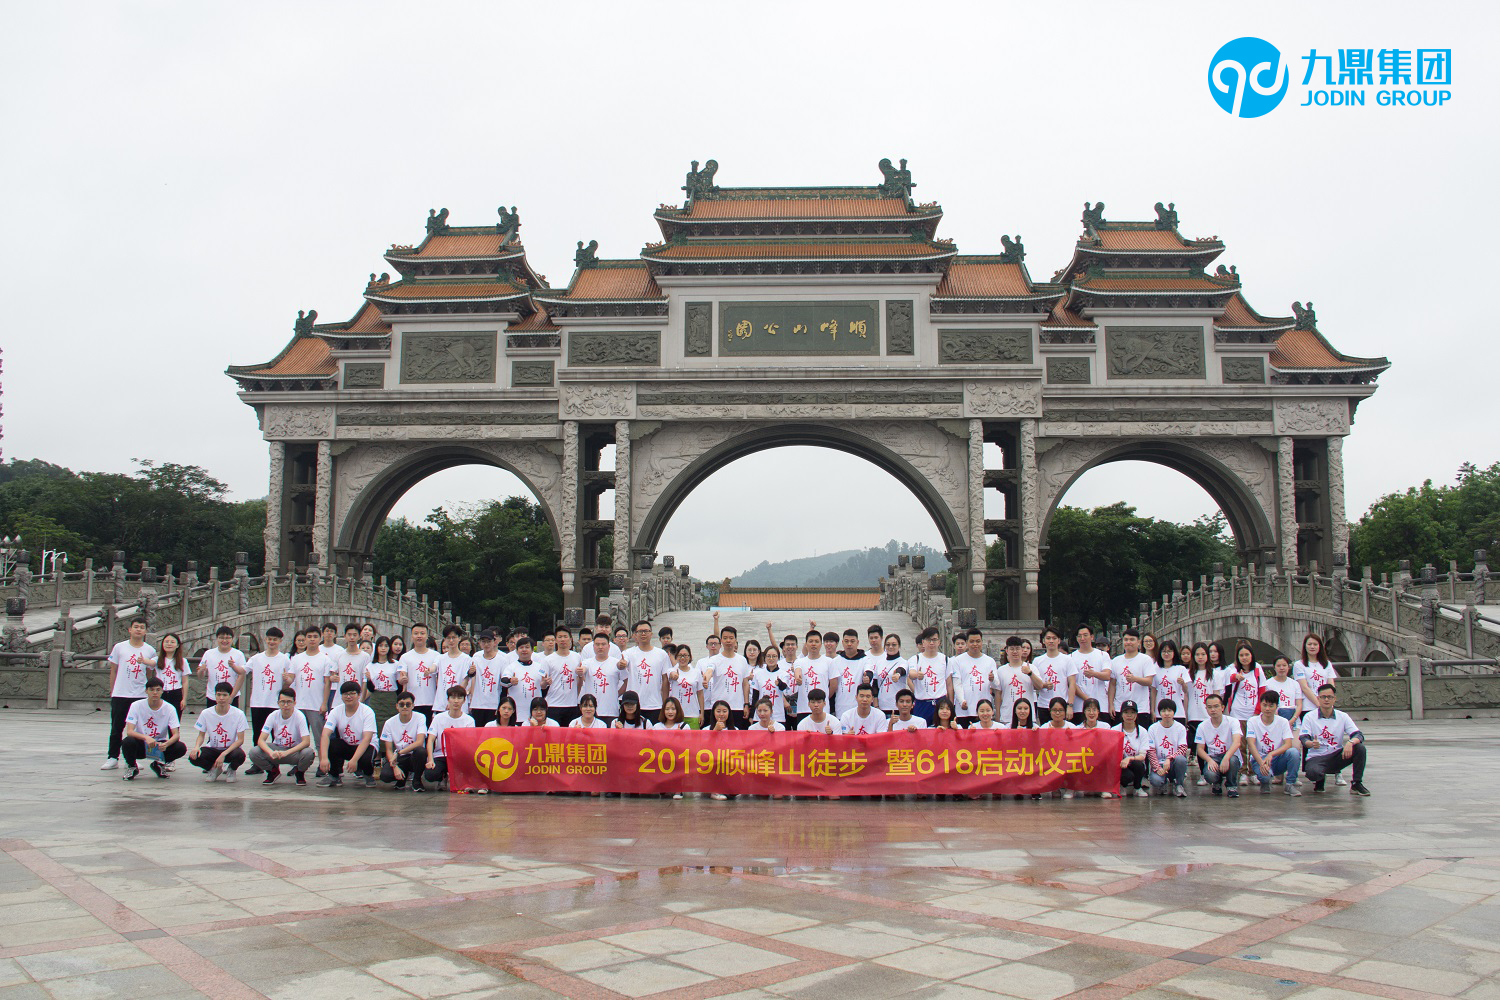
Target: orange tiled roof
<point>1237,312</point>
<point>1139,239</point>
<point>307,356</point>
<point>367,320</point>
<point>423,290</point>
<point>797,208</point>
<point>969,278</point>
<point>634,282</point>
<point>1150,283</point>
<point>463,244</point>
<point>801,600</point>
<point>1063,316</point>
<point>537,322</point>
<point>746,250</point>
<point>1305,349</point>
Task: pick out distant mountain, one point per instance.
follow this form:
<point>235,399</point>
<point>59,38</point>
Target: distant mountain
<point>849,568</point>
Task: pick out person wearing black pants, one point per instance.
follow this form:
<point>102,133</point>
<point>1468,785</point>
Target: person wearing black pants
<point>341,753</point>
<point>129,662</point>
<point>151,724</point>
<point>118,709</point>
<point>349,736</point>
<point>1134,771</point>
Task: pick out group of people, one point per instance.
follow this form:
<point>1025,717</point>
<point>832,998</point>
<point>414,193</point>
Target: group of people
<point>315,707</point>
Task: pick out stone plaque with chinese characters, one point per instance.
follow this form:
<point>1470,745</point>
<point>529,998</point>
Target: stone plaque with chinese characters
<point>799,328</point>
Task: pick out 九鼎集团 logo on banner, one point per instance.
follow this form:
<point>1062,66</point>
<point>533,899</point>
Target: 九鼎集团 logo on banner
<point>1247,77</point>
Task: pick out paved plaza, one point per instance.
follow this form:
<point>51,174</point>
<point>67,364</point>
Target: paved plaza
<point>180,888</point>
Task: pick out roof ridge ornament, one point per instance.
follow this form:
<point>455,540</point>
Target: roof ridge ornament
<point>384,279</point>
<point>1015,250</point>
<point>1306,318</point>
<point>586,255</point>
<point>303,326</point>
<point>898,182</point>
<point>700,183</point>
<point>1093,217</point>
<point>509,221</point>
<point>1166,216</point>
<point>437,222</point>
<point>1228,272</point>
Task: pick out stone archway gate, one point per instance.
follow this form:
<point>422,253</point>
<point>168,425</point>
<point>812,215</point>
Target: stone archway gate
<point>823,316</point>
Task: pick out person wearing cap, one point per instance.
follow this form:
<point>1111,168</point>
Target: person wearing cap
<point>1134,770</point>
<point>817,719</point>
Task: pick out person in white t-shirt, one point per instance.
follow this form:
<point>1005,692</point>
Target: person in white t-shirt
<point>1057,718</point>
<point>1013,680</point>
<point>1171,679</point>
<point>1134,674</point>
<point>564,679</point>
<point>538,715</point>
<point>1167,750</point>
<point>1331,742</point>
<point>418,672</point>
<point>487,668</point>
<point>1273,748</point>
<point>851,668</point>
<point>648,666</point>
<point>308,675</point>
<point>973,676</point>
<point>864,718</point>
<point>404,740</point>
<point>890,674</point>
<point>1312,671</point>
<point>128,663</point>
<point>904,718</point>
<point>527,676</point>
<point>984,716</point>
<point>808,671</point>
<point>284,741</point>
<point>1249,681</point>
<point>588,705</point>
<point>685,681</point>
<point>1287,690</point>
<point>1134,744</point>
<point>348,742</point>
<point>222,665</point>
<point>1203,680</point>
<point>333,654</point>
<point>453,665</point>
<point>1091,674</point>
<point>763,719</point>
<point>453,718</point>
<point>265,675</point>
<point>152,731</point>
<point>672,716</point>
<point>929,675</point>
<point>772,683</point>
<point>1052,672</point>
<point>817,719</point>
<point>1217,744</point>
<point>726,677</point>
<point>172,667</point>
<point>218,749</point>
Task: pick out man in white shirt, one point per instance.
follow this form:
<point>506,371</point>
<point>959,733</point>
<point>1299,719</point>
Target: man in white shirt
<point>973,677</point>
<point>437,753</point>
<point>1052,671</point>
<point>526,677</point>
<point>486,670</point>
<point>851,668</point>
<point>453,665</point>
<point>818,720</point>
<point>333,653</point>
<point>1134,673</point>
<point>128,663</point>
<point>904,718</point>
<point>1014,680</point>
<point>285,741</point>
<point>265,675</point>
<point>1092,677</point>
<point>864,718</point>
<point>1167,750</point>
<point>1273,749</point>
<point>349,739</point>
<point>810,671</point>
<point>153,731</point>
<point>404,739</point>
<point>308,675</point>
<point>221,735</point>
<point>419,671</point>
<point>929,675</point>
<point>724,679</point>
<point>1332,742</point>
<point>562,679</point>
<point>222,665</point>
<point>648,666</point>
<point>1218,743</point>
<point>602,678</point>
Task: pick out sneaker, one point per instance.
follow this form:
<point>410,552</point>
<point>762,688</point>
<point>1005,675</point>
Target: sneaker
<point>677,796</point>
<point>158,768</point>
<point>331,781</point>
<point>369,782</point>
<point>1233,793</point>
<point>131,773</point>
<point>1141,793</point>
<point>1106,795</point>
<point>1341,780</point>
<point>110,764</point>
<point>271,776</point>
<point>401,783</point>
<point>1293,790</point>
<point>718,797</point>
<point>1265,786</point>
<point>1179,791</point>
<point>1358,788</point>
<point>1067,793</point>
<point>1202,781</point>
<point>301,777</point>
<point>212,774</point>
<point>1218,789</point>
<point>229,776</point>
<point>419,788</point>
<point>255,769</point>
<point>1318,785</point>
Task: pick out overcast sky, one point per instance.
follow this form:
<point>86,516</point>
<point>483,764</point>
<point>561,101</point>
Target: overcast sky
<point>181,178</point>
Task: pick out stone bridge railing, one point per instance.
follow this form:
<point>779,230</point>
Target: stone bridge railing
<point>908,587</point>
<point>657,589</point>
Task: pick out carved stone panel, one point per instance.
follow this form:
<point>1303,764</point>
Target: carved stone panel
<point>1312,416</point>
<point>1456,693</point>
<point>1068,371</point>
<point>593,401</point>
<point>591,350</point>
<point>1003,399</point>
<point>777,329</point>
<point>531,373</point>
<point>698,330</point>
<point>992,347</point>
<point>900,335</point>
<point>298,423</point>
<point>1159,352</point>
<point>430,358</point>
<point>1249,371</point>
<point>363,375</point>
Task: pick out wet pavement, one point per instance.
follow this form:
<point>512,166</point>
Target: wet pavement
<point>181,888</point>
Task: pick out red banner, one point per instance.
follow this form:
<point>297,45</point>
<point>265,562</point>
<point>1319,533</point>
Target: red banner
<point>650,762</point>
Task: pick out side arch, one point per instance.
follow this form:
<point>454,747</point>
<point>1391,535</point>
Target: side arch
<point>1238,477</point>
<point>371,479</point>
<point>765,438</point>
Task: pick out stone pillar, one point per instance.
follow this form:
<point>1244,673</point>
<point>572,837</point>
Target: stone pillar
<point>323,501</point>
<point>275,500</point>
<point>567,520</point>
<point>976,515</point>
<point>1031,524</point>
<point>623,527</point>
<point>1286,504</point>
<point>1336,514</point>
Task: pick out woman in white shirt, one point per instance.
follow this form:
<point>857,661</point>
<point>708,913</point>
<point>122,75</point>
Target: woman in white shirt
<point>588,705</point>
<point>671,715</point>
<point>1288,691</point>
<point>631,716</point>
<point>1057,708</point>
<point>763,719</point>
<point>985,711</point>
<point>539,714</point>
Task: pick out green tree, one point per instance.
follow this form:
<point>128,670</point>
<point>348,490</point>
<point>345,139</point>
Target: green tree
<point>1430,524</point>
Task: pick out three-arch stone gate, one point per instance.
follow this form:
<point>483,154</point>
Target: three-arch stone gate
<point>833,317</point>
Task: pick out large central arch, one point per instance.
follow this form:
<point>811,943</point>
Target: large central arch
<point>764,438</point>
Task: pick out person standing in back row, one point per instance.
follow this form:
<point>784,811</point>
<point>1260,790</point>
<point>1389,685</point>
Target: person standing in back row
<point>128,663</point>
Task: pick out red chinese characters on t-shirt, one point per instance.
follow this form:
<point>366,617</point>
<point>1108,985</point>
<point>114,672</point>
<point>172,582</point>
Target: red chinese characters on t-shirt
<point>270,677</point>
<point>645,673</point>
<point>284,736</point>
<point>151,729</point>
<point>135,665</point>
<point>349,734</point>
<point>487,678</point>
<point>1216,745</point>
<point>1266,743</point>
<point>1168,689</point>
<point>221,735</point>
<point>307,673</point>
